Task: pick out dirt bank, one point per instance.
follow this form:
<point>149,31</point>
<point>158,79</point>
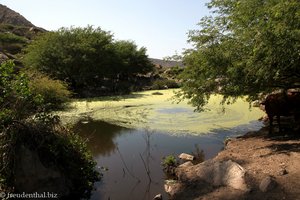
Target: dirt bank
<point>260,156</point>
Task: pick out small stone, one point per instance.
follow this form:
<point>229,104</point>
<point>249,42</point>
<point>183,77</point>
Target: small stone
<point>267,184</point>
<point>158,197</point>
<point>281,164</point>
<point>185,156</point>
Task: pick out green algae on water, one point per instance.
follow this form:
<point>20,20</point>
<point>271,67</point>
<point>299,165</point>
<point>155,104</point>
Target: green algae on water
<point>159,112</point>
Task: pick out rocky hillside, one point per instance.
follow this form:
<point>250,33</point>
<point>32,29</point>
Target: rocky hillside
<point>15,33</point>
<point>8,16</point>
<point>165,63</point>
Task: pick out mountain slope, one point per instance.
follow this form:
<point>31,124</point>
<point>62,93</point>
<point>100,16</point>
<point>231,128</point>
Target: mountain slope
<point>15,33</point>
<point>8,16</point>
<point>165,63</point>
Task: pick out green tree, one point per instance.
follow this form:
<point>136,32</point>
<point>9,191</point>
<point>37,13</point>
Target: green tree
<point>131,60</point>
<point>86,57</point>
<point>246,47</point>
<point>75,55</point>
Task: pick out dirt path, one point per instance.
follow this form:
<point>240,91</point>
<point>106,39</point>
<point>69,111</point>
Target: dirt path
<point>261,156</point>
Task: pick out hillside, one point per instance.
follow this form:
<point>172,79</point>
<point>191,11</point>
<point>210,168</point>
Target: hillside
<point>8,16</point>
<point>165,63</point>
<point>15,33</point>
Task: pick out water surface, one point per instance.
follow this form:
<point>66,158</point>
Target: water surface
<point>123,155</point>
<point>129,135</point>
<point>159,113</point>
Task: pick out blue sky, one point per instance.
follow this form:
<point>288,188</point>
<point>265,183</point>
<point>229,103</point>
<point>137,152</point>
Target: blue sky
<point>159,25</point>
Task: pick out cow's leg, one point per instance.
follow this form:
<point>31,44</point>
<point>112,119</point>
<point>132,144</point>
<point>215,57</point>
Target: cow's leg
<point>296,121</point>
<point>278,121</point>
<point>270,124</point>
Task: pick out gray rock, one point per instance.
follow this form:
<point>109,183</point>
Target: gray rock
<point>31,175</point>
<point>172,187</point>
<point>267,184</point>
<point>158,197</point>
<point>215,173</point>
<point>186,164</point>
<point>185,156</point>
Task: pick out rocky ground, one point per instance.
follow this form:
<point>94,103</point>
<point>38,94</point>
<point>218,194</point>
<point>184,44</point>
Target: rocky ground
<point>256,165</point>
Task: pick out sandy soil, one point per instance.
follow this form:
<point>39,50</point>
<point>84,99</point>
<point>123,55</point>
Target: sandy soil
<point>261,156</point>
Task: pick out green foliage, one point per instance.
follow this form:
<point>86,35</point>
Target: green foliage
<point>57,147</point>
<point>11,43</point>
<point>25,33</point>
<point>131,60</point>
<point>174,72</point>
<point>86,57</point>
<point>76,55</point>
<point>55,93</point>
<point>25,120</point>
<point>164,84</point>
<point>16,99</point>
<point>169,161</point>
<point>244,48</point>
<point>10,38</point>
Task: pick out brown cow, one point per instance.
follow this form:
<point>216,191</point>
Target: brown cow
<point>282,104</point>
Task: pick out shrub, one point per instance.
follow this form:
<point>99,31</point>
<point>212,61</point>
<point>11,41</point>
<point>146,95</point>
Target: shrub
<point>55,92</point>
<point>25,120</point>
<point>169,165</point>
<point>17,102</point>
<point>169,161</point>
<point>164,84</point>
<point>57,147</point>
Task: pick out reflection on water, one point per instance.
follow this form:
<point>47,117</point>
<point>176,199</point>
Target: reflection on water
<point>132,156</point>
<point>99,135</point>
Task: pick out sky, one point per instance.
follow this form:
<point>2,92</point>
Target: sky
<point>159,25</point>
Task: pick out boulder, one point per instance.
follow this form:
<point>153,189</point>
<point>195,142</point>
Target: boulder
<point>31,175</point>
<point>172,187</point>
<point>267,184</point>
<point>185,156</point>
<point>186,164</point>
<point>215,173</point>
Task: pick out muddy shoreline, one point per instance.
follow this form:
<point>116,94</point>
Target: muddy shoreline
<point>270,167</point>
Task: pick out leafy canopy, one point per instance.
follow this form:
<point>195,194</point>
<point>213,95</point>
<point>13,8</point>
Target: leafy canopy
<point>246,47</point>
<point>85,56</point>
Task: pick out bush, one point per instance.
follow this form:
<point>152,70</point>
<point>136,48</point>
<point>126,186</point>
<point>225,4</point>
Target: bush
<point>169,165</point>
<point>25,120</point>
<point>57,148</point>
<point>17,102</point>
<point>169,161</point>
<point>164,84</point>
<point>55,92</point>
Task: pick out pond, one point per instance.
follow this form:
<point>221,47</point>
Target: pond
<point>130,135</point>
